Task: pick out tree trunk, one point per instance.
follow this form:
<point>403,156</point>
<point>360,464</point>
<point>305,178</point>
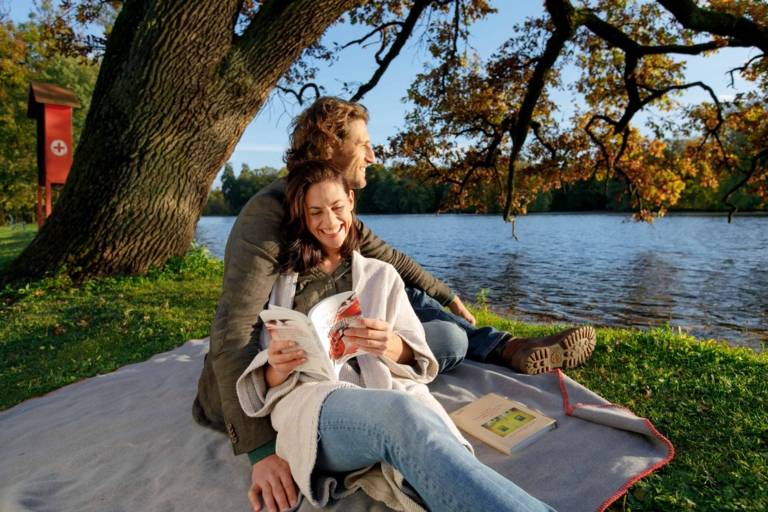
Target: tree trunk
<point>175,92</point>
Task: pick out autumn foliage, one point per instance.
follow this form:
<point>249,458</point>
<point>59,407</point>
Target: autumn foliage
<point>492,121</point>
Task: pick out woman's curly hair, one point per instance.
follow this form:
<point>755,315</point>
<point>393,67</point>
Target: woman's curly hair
<point>321,128</point>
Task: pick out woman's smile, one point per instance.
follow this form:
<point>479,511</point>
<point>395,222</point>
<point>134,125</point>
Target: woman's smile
<point>329,214</point>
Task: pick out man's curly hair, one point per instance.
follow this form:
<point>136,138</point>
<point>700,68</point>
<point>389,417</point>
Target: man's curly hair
<point>321,128</point>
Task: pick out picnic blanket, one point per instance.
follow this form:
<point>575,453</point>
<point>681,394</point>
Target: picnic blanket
<point>127,441</point>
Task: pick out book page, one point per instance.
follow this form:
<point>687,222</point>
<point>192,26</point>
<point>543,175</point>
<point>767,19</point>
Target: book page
<point>286,324</point>
<point>331,317</point>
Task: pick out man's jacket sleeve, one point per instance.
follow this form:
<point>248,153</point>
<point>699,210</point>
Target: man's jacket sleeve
<point>413,274</point>
<point>250,270</point>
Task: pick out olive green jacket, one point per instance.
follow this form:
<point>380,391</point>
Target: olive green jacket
<point>250,270</point>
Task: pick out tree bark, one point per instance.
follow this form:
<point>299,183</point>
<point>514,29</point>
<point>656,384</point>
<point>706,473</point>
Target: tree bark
<point>175,92</point>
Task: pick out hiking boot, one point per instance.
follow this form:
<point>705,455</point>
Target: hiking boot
<point>566,349</point>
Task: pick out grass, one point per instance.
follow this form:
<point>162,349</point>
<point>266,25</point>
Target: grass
<point>13,240</point>
<point>707,398</point>
<point>53,334</point>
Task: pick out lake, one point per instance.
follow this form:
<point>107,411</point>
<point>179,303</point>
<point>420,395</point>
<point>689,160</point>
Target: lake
<point>693,272</point>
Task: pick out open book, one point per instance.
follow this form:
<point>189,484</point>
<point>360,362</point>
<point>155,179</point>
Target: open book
<point>502,423</point>
<point>319,333</point>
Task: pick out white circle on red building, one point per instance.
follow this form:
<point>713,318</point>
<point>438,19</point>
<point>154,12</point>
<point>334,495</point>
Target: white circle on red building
<point>59,147</point>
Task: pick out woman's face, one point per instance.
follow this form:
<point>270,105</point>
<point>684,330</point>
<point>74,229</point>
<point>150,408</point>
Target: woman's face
<point>328,211</point>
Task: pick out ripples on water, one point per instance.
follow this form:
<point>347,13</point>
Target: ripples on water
<point>696,272</point>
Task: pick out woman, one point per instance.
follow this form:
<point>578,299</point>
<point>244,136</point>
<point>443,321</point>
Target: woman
<point>378,427</point>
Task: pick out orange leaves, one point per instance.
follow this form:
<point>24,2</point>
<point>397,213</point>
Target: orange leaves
<point>629,53</point>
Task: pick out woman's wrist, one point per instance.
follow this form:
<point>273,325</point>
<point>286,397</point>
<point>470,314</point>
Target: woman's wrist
<point>273,377</point>
<point>399,350</point>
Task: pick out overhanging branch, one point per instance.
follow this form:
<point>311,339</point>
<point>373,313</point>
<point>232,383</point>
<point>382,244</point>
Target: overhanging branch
<point>562,14</point>
<point>745,66</point>
<point>693,17</point>
<point>419,6</point>
<point>300,95</point>
<point>762,155</point>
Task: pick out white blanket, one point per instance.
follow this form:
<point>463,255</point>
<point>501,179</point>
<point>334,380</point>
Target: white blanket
<point>127,441</point>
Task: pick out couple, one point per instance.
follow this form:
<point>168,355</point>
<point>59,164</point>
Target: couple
<point>422,445</point>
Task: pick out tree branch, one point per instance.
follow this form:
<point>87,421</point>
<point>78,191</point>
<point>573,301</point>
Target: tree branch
<point>536,127</point>
<point>562,14</point>
<point>372,33</point>
<point>419,6</point>
<point>616,37</point>
<point>693,17</point>
<point>300,95</point>
<point>762,155</point>
<point>745,66</point>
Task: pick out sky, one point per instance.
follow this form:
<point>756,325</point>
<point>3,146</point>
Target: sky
<point>265,139</point>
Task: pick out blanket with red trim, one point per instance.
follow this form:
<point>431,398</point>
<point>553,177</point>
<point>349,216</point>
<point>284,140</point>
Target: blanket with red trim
<point>127,441</point>
<point>589,461</point>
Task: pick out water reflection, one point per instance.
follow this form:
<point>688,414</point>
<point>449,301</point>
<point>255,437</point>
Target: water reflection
<point>694,272</point>
<point>649,286</point>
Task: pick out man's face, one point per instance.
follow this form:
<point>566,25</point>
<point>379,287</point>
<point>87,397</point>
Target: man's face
<point>355,154</point>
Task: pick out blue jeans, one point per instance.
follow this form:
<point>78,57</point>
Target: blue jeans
<point>361,427</point>
<point>450,337</point>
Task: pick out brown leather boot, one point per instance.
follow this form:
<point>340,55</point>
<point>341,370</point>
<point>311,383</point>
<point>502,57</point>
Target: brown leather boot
<point>566,349</point>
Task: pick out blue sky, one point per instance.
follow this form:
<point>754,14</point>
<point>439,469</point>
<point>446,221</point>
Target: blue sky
<point>265,139</point>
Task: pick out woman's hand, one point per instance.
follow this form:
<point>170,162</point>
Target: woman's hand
<point>283,358</point>
<point>376,337</point>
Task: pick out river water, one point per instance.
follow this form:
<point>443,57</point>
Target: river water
<point>693,272</point>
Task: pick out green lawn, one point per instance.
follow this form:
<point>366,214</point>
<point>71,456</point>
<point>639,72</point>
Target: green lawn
<point>708,399</point>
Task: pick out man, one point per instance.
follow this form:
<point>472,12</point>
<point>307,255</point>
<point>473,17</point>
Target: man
<point>335,130</point>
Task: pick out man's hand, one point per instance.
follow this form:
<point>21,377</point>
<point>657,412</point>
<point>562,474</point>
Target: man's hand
<point>376,337</point>
<point>271,480</point>
<point>457,308</point>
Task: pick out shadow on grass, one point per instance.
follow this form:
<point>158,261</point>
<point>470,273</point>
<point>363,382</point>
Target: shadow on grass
<point>13,240</point>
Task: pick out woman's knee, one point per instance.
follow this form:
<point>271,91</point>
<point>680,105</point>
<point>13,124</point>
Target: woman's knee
<point>448,342</point>
<point>387,407</point>
<point>369,406</point>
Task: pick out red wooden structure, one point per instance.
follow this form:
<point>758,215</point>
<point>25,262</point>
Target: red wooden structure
<point>52,106</point>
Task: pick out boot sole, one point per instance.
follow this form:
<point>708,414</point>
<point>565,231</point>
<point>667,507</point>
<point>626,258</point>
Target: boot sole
<point>569,352</point>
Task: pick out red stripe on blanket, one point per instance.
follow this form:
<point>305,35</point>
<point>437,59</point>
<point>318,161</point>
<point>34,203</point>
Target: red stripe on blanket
<point>569,409</point>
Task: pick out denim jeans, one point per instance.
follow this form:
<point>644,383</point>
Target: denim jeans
<point>450,337</point>
<point>360,427</point>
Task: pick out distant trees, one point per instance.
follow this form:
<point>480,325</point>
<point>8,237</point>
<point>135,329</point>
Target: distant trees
<point>235,191</point>
<point>388,192</point>
<point>392,190</point>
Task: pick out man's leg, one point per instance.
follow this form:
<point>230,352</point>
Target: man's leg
<point>447,341</point>
<point>566,349</point>
<point>360,427</point>
<point>480,340</point>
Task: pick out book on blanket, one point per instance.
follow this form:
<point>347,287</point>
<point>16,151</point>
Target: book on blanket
<point>319,333</point>
<point>504,424</point>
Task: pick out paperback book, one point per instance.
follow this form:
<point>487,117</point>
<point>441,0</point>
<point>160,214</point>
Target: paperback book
<point>320,333</point>
<point>502,423</point>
